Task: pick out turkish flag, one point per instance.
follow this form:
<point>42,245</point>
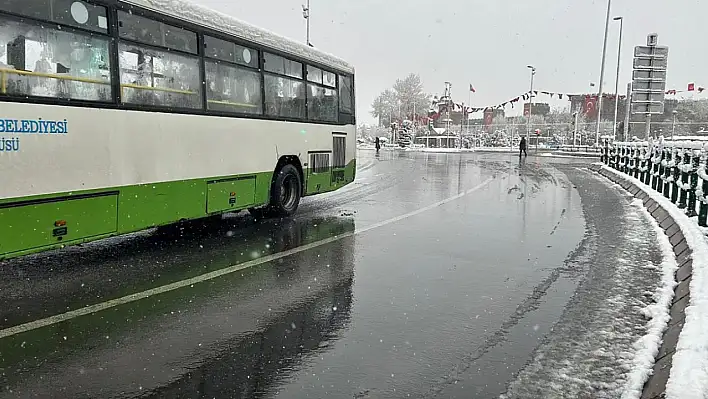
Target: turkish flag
<point>472,88</point>
<point>590,105</point>
<point>488,116</point>
<point>691,86</point>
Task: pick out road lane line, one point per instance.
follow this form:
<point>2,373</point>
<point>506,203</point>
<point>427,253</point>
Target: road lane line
<point>98,307</point>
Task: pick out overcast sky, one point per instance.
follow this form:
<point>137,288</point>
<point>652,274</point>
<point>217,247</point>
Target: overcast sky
<point>488,43</point>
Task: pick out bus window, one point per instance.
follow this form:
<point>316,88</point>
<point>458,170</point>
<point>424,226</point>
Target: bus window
<point>158,78</point>
<point>346,94</point>
<point>49,62</point>
<point>233,89</point>
<point>144,30</point>
<point>230,52</point>
<point>329,79</point>
<point>314,74</point>
<point>283,66</point>
<point>69,12</point>
<point>322,104</point>
<point>284,97</point>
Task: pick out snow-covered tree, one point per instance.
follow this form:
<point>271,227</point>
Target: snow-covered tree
<point>409,91</point>
<point>385,106</point>
<point>400,101</point>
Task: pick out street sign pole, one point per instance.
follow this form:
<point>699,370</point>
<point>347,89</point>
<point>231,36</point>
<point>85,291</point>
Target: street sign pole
<point>648,81</point>
<point>627,111</point>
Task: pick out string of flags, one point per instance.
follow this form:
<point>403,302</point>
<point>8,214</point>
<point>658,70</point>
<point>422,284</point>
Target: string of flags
<point>691,87</point>
<point>440,105</point>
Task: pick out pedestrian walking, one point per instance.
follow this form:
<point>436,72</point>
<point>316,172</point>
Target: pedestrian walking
<point>378,145</point>
<point>522,147</point>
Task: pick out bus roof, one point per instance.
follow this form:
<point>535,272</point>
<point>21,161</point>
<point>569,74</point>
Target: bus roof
<point>208,18</point>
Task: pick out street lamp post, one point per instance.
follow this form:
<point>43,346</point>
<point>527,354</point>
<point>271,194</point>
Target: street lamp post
<point>528,119</point>
<point>617,76</point>
<point>306,15</point>
<point>602,76</point>
<point>673,124</point>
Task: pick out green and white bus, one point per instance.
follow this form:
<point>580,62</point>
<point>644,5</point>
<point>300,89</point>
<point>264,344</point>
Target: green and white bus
<point>121,115</point>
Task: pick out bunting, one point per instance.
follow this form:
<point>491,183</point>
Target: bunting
<point>689,87</point>
<point>440,106</point>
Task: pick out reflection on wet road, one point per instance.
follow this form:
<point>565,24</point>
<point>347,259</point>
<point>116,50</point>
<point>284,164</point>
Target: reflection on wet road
<point>429,273</point>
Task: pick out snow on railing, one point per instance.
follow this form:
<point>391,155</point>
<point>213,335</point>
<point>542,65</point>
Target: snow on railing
<point>675,168</point>
<point>678,172</point>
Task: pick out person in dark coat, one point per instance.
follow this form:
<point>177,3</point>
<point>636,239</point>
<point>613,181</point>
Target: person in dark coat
<point>378,144</point>
<point>522,147</point>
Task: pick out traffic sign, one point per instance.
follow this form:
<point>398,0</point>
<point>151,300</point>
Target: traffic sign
<point>648,74</point>
<point>647,107</point>
<point>657,51</point>
<point>639,97</point>
<point>649,85</point>
<point>648,62</point>
<point>649,77</point>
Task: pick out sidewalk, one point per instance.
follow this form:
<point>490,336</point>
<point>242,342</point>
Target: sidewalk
<point>679,370</point>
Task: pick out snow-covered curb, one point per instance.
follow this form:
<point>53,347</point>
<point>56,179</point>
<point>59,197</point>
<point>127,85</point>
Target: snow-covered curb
<point>647,347</point>
<point>567,155</point>
<point>688,378</point>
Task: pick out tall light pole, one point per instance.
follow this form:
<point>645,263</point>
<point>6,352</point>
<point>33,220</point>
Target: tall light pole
<point>602,76</point>
<point>528,120</point>
<point>673,124</point>
<point>306,15</point>
<point>617,76</point>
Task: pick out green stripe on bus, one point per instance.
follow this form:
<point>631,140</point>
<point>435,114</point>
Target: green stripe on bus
<point>41,223</point>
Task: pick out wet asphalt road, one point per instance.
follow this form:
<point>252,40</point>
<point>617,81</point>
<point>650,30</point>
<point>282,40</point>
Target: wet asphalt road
<point>433,275</point>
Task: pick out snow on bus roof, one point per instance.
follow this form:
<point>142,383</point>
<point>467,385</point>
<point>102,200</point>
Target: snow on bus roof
<point>204,16</point>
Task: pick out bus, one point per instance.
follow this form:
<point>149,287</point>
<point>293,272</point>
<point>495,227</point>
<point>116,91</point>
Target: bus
<point>121,115</point>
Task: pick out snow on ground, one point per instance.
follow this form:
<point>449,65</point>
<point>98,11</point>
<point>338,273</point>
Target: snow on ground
<point>647,347</point>
<point>604,344</point>
<point>566,155</point>
<point>689,371</point>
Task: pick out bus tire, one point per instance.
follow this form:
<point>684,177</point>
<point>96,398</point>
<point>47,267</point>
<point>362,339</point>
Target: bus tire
<point>285,192</point>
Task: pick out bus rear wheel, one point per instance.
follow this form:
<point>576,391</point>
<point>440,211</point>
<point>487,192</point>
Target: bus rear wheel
<point>286,192</point>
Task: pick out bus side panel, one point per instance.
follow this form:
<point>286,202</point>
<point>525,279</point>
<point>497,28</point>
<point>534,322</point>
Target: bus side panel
<point>61,221</point>
<point>148,205</point>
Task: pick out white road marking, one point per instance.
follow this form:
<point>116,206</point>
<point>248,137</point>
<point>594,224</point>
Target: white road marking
<point>72,314</point>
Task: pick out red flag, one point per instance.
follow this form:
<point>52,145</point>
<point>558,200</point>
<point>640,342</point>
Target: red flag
<point>472,88</point>
<point>691,86</point>
<point>590,105</point>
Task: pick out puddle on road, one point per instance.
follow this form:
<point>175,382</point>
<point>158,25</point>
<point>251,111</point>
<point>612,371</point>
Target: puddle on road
<point>239,333</point>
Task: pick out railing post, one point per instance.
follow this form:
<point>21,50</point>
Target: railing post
<point>663,169</point>
<point>645,163</point>
<point>675,176</point>
<point>650,166</point>
<point>642,163</point>
<point>684,167</point>
<point>637,151</point>
<point>658,168</point>
<point>693,181</point>
<point>668,175</point>
<point>702,189</point>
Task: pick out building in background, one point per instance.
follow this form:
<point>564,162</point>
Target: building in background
<point>542,109</point>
